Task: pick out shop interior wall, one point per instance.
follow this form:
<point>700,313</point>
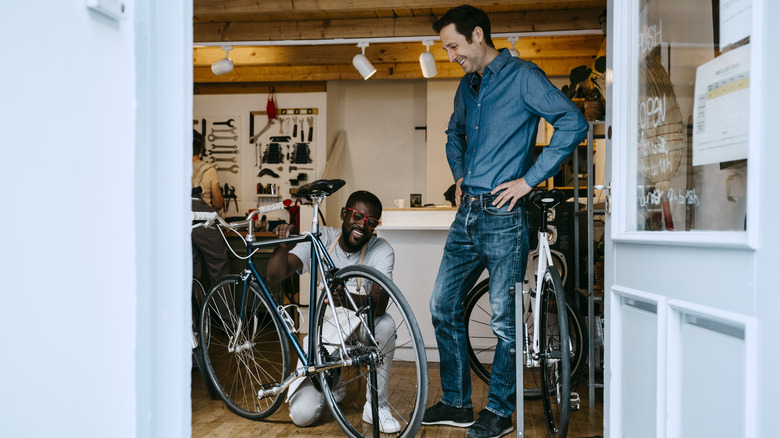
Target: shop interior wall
<point>393,137</point>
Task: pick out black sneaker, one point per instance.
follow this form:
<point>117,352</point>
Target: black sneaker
<point>490,425</point>
<point>448,416</point>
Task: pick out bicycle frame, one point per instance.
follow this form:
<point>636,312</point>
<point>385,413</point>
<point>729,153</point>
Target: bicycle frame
<point>321,266</point>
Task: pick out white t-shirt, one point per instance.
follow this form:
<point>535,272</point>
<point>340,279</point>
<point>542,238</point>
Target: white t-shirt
<point>379,253</point>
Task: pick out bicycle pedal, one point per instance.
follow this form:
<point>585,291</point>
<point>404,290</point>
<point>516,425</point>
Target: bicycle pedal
<point>574,402</point>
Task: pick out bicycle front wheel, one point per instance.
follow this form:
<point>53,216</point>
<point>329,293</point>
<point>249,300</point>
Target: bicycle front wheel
<point>244,346</point>
<point>391,354</point>
<point>555,355</point>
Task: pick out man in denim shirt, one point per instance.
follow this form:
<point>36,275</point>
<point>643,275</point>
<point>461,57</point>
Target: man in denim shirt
<point>490,147</point>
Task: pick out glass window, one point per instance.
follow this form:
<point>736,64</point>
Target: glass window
<point>692,115</point>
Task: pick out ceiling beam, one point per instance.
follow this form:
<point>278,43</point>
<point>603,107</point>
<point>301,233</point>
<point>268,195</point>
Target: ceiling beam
<point>527,21</point>
<point>245,8</point>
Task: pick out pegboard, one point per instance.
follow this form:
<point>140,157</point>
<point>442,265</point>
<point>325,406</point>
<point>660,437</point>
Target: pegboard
<point>283,151</point>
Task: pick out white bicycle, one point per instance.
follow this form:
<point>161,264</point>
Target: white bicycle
<point>555,353</point>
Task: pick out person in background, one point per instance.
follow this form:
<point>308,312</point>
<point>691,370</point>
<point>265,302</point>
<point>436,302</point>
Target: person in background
<point>491,137</point>
<point>353,244</point>
<point>208,246</point>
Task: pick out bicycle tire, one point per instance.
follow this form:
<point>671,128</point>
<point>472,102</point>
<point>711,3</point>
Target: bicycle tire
<point>555,355</point>
<point>482,341</point>
<point>198,296</point>
<point>407,380</point>
<point>245,348</point>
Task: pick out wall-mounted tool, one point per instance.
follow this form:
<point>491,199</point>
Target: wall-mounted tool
<point>228,122</point>
<point>224,146</point>
<point>210,152</point>
<point>265,172</point>
<point>230,130</point>
<point>233,169</point>
<point>310,120</point>
<point>213,137</point>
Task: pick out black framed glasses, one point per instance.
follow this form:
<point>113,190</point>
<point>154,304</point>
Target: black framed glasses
<point>360,217</point>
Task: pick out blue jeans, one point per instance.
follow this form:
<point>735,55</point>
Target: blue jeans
<point>481,236</point>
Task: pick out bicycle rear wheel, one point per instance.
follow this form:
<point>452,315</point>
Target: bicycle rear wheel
<point>198,296</point>
<point>482,341</point>
<point>555,355</point>
<point>245,348</point>
<point>396,340</point>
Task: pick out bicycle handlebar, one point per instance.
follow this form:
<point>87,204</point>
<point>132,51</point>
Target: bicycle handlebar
<point>211,216</point>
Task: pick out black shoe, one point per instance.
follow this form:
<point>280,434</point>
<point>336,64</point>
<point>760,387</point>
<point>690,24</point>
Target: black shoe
<point>448,415</point>
<point>490,425</point>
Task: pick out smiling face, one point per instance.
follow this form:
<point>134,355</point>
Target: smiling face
<point>472,57</point>
<point>356,234</point>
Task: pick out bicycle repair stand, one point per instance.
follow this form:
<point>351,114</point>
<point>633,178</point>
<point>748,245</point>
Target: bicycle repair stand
<point>519,364</point>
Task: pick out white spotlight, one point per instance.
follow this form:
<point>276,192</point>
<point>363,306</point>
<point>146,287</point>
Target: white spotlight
<point>362,64</point>
<point>513,51</point>
<point>224,65</point>
<point>427,63</point>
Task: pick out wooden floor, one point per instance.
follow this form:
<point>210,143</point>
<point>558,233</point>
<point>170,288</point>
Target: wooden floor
<point>211,419</point>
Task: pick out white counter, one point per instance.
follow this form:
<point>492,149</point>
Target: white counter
<point>417,236</point>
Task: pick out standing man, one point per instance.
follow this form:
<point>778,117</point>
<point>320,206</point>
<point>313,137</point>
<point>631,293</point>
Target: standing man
<point>490,148</point>
<point>353,244</point>
<point>208,246</point>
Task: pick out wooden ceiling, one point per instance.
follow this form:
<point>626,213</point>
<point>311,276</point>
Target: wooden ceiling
<point>248,24</point>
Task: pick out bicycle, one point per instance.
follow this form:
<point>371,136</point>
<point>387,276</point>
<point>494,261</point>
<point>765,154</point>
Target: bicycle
<point>553,365</point>
<point>198,294</point>
<point>246,336</point>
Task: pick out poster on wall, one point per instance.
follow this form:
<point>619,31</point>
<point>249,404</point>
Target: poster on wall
<point>721,108</point>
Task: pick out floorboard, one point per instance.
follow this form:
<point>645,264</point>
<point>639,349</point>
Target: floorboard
<point>211,419</point>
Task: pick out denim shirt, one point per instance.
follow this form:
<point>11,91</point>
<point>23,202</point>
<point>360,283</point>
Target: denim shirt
<point>492,132</point>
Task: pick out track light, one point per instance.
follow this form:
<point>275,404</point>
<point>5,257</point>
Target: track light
<point>362,64</point>
<point>513,51</point>
<point>224,65</point>
<point>427,63</point>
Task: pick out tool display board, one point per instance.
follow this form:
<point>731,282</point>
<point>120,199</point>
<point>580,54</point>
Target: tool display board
<point>261,159</point>
<point>283,150</point>
<point>223,149</point>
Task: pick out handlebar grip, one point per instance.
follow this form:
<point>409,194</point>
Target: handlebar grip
<point>266,209</point>
<point>204,215</point>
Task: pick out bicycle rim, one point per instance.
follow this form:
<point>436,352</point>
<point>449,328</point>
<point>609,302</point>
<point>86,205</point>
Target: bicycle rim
<point>555,355</point>
<point>482,341</point>
<point>244,348</point>
<point>402,347</point>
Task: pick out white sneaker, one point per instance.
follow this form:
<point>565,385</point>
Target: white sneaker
<point>387,424</point>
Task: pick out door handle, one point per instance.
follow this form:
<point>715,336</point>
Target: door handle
<point>607,196</point>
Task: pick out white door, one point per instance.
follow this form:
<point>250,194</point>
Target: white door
<point>688,304</point>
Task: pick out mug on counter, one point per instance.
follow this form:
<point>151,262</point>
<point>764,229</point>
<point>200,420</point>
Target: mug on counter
<point>400,203</point>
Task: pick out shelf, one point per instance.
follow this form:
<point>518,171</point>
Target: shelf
<point>269,196</point>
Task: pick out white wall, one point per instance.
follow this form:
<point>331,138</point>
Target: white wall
<point>384,153</point>
<point>95,244</point>
<point>68,271</point>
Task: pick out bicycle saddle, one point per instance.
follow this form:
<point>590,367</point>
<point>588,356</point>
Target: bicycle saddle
<point>546,199</point>
<point>319,189</point>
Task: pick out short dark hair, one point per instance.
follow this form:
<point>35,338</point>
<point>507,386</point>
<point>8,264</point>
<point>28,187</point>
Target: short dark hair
<point>466,18</point>
<point>366,197</point>
<point>197,142</point>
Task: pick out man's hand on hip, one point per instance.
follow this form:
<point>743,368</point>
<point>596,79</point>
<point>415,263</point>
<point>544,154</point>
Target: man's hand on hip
<point>511,191</point>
